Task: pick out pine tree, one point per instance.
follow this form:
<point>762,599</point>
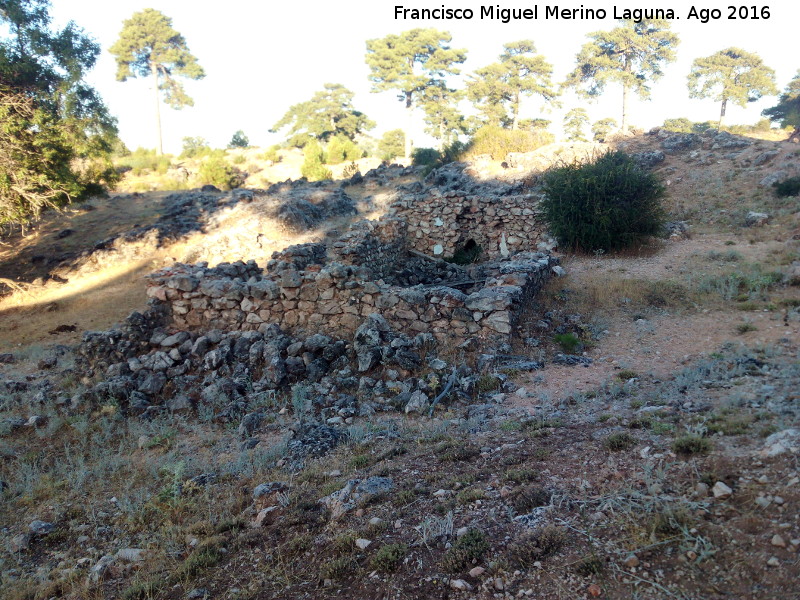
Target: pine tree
<point>631,55</point>
<point>410,63</point>
<point>787,111</point>
<point>391,144</point>
<point>574,123</point>
<point>731,75</point>
<point>239,140</point>
<point>56,135</point>
<point>148,45</point>
<point>497,89</point>
<point>442,117</point>
<point>329,113</point>
<point>601,129</point>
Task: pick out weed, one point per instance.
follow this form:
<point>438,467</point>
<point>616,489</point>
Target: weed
<point>536,545</point>
<point>388,558</point>
<point>569,342</point>
<point>627,374</point>
<point>488,383</point>
<point>590,565</point>
<point>519,475</point>
<point>470,495</point>
<point>619,441</point>
<point>360,461</point>
<point>468,548</point>
<point>530,497</point>
<point>691,443</point>
<point>338,568</point>
<point>745,327</point>
<point>449,452</point>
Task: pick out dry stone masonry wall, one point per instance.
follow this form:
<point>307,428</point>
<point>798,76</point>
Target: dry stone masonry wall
<point>457,210</point>
<point>334,298</point>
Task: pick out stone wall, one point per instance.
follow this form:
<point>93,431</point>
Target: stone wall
<point>456,207</point>
<point>336,298</point>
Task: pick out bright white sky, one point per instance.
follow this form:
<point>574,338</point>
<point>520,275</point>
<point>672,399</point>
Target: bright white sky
<point>261,56</point>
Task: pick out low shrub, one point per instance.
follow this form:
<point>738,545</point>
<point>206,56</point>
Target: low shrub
<point>787,187</point>
<point>607,204</point>
<point>216,170</point>
<point>498,142</point>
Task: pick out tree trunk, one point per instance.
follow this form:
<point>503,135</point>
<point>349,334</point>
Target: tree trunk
<point>625,91</point>
<point>159,146</point>
<point>624,108</point>
<point>722,113</point>
<point>795,137</point>
<point>409,121</point>
<point>515,122</point>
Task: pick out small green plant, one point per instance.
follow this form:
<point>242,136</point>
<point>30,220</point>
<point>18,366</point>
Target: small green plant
<point>470,495</point>
<point>487,383</point>
<point>313,167</point>
<point>469,547</point>
<point>787,187</point>
<point>216,171</point>
<point>239,140</point>
<point>519,475</point>
<point>536,545</point>
<point>425,157</point>
<point>388,558</point>
<point>530,497</point>
<point>468,254</point>
<point>745,327</point>
<point>498,141</point>
<point>608,204</point>
<point>627,374</point>
<point>690,444</point>
<point>271,155</point>
<point>617,442</point>
<point>338,568</point>
<point>590,565</point>
<point>569,342</point>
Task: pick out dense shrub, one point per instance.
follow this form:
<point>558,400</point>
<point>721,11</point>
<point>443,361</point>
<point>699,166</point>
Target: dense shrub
<point>215,170</point>
<point>607,204</point>
<point>195,147</point>
<point>143,159</point>
<point>498,142</point>
<point>787,187</point>
<point>313,167</point>
<point>272,154</point>
<point>341,149</point>
<point>425,157</point>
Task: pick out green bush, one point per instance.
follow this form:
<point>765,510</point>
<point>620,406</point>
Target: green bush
<point>195,147</point>
<point>142,160</point>
<point>607,204</point>
<point>313,167</point>
<point>787,187</point>
<point>425,157</point>
<point>272,154</point>
<point>341,149</point>
<point>498,142</point>
<point>215,170</point>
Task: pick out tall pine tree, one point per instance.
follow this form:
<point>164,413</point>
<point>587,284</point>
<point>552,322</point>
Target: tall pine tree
<point>148,45</point>
<point>410,63</point>
<point>631,55</point>
<point>731,75</point>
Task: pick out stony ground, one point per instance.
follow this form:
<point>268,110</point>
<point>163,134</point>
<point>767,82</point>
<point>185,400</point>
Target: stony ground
<point>655,455</point>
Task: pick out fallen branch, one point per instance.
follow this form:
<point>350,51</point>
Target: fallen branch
<point>446,391</point>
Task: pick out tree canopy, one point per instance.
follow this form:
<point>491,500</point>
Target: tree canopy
<point>410,63</point>
<point>787,111</point>
<point>601,129</point>
<point>496,89</point>
<point>575,122</point>
<point>631,55</point>
<point>329,113</point>
<point>56,134</point>
<point>442,117</point>
<point>148,45</point>
<point>239,140</point>
<point>731,75</point>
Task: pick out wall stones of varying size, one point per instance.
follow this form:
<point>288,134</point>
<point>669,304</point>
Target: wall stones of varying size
<point>335,299</point>
<point>456,207</point>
